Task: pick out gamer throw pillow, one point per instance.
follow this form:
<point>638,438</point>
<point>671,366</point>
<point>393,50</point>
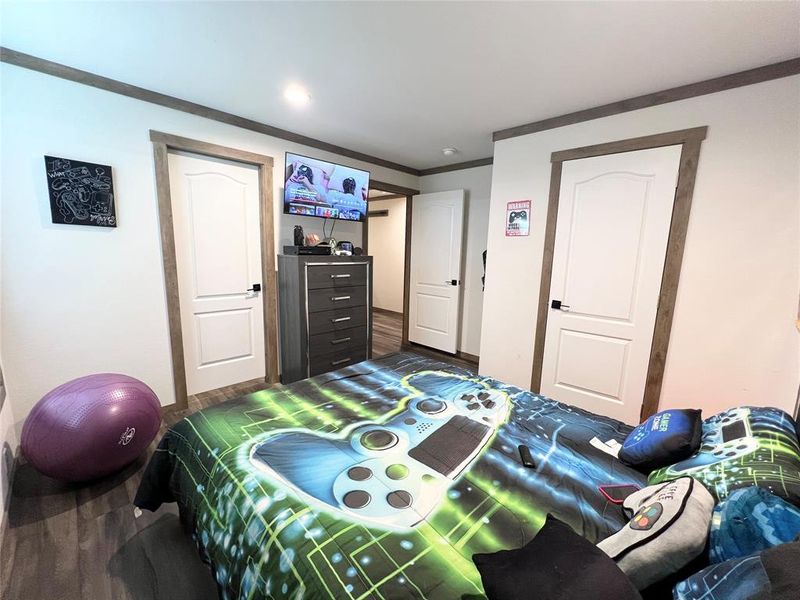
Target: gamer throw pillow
<point>742,447</point>
<point>668,530</point>
<point>664,439</point>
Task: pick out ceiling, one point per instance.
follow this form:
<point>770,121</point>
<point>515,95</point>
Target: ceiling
<point>403,80</point>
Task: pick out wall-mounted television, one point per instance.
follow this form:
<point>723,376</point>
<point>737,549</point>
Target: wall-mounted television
<point>317,188</point>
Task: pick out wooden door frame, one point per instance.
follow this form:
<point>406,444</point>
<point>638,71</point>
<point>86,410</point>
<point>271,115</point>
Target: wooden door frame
<point>409,194</point>
<point>162,144</point>
<point>689,140</point>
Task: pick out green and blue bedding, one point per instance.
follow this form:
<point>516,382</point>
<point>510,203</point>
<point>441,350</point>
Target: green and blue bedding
<point>381,480</point>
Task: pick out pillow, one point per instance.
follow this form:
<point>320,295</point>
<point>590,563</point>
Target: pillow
<point>751,520</point>
<point>558,564</point>
<point>742,447</point>
<point>664,439</point>
<point>770,574</point>
<point>668,529</point>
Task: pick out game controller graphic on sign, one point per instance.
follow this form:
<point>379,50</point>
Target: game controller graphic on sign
<point>393,472</point>
<point>518,217</point>
<point>80,193</point>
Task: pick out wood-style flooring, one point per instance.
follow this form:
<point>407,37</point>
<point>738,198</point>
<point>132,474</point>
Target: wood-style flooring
<point>82,541</point>
<point>387,336</point>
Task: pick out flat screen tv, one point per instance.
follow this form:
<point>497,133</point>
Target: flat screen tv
<point>316,188</point>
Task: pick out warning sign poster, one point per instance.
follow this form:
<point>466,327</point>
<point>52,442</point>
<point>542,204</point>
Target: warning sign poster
<point>518,218</point>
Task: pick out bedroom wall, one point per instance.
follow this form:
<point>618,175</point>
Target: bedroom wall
<point>387,242</point>
<point>77,300</point>
<point>733,338</point>
<point>477,183</point>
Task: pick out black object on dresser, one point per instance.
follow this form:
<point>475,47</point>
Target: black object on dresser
<point>325,308</point>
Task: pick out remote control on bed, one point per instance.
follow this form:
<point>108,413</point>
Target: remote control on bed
<point>525,456</point>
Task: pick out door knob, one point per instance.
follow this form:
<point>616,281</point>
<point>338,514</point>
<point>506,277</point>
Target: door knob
<point>451,281</point>
<point>559,306</point>
<point>256,288</point>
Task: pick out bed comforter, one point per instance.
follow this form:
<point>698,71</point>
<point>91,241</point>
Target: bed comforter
<point>263,481</point>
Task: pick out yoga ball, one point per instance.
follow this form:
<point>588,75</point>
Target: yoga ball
<point>91,426</point>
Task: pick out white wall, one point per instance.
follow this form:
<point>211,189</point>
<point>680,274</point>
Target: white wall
<point>733,337</point>
<point>477,183</point>
<point>77,300</point>
<point>387,244</point>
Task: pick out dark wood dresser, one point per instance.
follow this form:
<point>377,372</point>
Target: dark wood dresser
<point>325,309</point>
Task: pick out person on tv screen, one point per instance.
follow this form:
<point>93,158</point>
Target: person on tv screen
<point>350,206</point>
<point>300,186</point>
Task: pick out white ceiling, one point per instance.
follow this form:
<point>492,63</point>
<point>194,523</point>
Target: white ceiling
<point>403,80</point>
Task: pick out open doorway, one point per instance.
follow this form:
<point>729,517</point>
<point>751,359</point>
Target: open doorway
<point>386,242</point>
<point>388,238</point>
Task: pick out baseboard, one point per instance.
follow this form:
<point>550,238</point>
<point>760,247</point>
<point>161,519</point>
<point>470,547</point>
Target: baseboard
<point>386,311</point>
<point>466,357</point>
<point>170,409</point>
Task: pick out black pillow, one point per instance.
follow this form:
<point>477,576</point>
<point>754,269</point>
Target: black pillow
<point>557,564</point>
<point>665,438</point>
<point>780,563</point>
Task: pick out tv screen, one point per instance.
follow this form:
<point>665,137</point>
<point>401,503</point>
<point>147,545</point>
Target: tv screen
<point>316,188</point>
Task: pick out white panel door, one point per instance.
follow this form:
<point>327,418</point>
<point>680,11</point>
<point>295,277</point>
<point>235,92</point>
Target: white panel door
<point>434,307</point>
<point>614,216</point>
<point>215,210</point>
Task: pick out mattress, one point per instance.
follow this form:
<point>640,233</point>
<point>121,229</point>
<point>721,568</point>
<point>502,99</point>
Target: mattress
<point>381,480</point>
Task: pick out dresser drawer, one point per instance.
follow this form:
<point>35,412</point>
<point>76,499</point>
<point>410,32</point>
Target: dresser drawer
<point>337,320</point>
<point>330,298</point>
<point>337,360</point>
<point>346,340</point>
<point>335,276</point>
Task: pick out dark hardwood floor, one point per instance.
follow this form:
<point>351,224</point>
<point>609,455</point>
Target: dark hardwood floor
<point>82,541</point>
<point>387,332</point>
<point>387,337</point>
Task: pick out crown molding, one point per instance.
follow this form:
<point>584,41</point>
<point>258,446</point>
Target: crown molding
<point>692,90</point>
<point>34,63</point>
<point>469,164</point>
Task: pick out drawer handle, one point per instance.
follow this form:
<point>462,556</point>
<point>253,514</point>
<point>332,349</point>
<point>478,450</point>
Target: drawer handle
<point>340,276</point>
<point>337,298</point>
<point>340,341</point>
<point>340,362</point>
<point>340,319</point>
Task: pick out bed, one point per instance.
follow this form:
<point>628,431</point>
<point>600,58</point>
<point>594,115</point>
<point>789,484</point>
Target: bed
<point>381,480</point>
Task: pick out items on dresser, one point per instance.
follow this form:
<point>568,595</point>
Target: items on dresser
<point>325,309</point>
<point>299,236</point>
<point>307,250</point>
<point>344,248</point>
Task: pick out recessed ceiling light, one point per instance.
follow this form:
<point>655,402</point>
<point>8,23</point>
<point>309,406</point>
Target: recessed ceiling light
<point>449,151</point>
<point>297,96</point>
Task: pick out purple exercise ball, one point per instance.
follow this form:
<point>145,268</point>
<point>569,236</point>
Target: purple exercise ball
<point>91,426</point>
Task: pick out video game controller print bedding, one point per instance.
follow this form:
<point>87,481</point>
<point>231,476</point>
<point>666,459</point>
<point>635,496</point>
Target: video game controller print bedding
<point>743,447</point>
<point>381,480</point>
<point>393,472</point>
